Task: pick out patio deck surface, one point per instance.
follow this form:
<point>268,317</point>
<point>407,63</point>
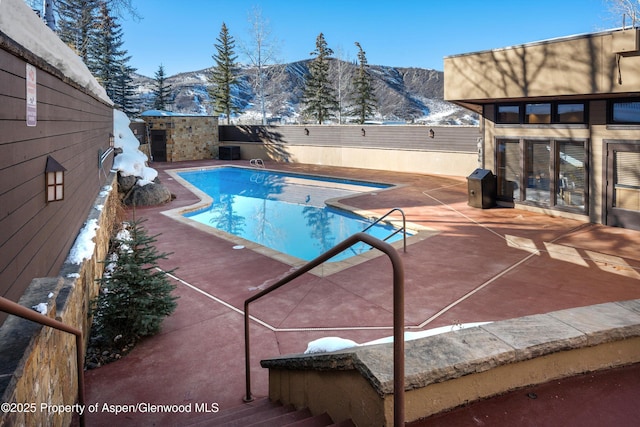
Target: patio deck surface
<point>475,265</point>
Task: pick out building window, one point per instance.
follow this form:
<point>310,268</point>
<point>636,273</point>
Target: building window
<point>508,113</point>
<point>570,113</point>
<point>627,112</point>
<point>537,113</point>
<point>542,113</point>
<point>543,172</point>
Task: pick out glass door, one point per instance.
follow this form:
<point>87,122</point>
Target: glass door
<point>508,169</point>
<point>538,172</point>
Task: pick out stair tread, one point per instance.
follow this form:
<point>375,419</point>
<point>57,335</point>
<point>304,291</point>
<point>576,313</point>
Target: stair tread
<point>284,419</point>
<point>258,415</point>
<point>227,415</point>
<point>315,421</point>
<point>344,423</point>
<point>265,413</point>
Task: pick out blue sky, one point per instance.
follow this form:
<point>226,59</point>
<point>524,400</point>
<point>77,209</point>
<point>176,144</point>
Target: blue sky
<point>413,33</point>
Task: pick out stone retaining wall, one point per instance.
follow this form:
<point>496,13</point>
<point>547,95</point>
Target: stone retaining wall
<point>38,363</point>
<point>448,370</point>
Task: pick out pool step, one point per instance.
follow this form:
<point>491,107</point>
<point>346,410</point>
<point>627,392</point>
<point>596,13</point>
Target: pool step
<point>264,413</point>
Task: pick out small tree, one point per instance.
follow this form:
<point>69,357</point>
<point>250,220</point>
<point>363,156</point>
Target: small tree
<point>342,83</point>
<point>364,101</point>
<point>318,96</point>
<point>223,76</point>
<point>630,8</point>
<point>161,91</point>
<point>135,296</point>
<point>261,52</point>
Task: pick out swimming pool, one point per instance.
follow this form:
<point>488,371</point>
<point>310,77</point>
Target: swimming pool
<point>283,211</point>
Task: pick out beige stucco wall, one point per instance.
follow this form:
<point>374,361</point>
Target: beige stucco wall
<point>577,65</point>
<point>432,162</point>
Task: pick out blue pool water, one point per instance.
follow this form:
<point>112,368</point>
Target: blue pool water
<point>285,212</point>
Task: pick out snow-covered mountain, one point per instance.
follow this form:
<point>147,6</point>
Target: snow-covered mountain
<point>411,95</point>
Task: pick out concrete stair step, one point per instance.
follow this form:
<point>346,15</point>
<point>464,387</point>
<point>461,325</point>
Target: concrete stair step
<point>314,421</point>
<point>226,415</point>
<point>264,413</point>
<point>345,423</point>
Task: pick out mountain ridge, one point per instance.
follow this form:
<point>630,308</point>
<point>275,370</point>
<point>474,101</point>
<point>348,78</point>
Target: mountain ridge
<point>404,94</point>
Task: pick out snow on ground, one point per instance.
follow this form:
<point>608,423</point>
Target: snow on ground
<point>328,344</point>
<point>132,161</point>
<point>21,24</point>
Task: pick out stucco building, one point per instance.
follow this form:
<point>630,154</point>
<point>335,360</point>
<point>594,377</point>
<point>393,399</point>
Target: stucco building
<point>560,122</point>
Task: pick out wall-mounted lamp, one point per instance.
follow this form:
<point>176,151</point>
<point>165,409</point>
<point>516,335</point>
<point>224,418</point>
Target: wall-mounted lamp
<point>363,132</point>
<point>432,134</point>
<point>112,140</point>
<point>306,131</point>
<point>54,178</point>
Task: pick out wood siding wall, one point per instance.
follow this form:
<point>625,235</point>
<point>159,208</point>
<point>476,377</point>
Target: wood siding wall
<point>446,138</point>
<point>72,126</point>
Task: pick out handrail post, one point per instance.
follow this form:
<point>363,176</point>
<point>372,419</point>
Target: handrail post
<point>398,339</point>
<point>398,313</point>
<point>247,362</point>
<point>16,309</point>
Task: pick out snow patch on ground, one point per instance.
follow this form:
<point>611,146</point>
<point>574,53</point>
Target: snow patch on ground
<point>328,344</point>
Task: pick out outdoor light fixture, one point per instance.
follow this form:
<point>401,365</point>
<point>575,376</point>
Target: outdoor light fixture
<point>363,132</point>
<point>306,131</point>
<point>432,134</point>
<point>54,176</point>
<point>112,140</point>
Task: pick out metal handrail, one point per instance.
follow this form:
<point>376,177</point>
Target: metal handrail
<point>398,313</point>
<point>11,307</point>
<point>403,229</point>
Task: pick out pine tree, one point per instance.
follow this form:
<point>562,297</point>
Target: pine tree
<point>76,26</point>
<point>134,296</point>
<point>161,91</point>
<point>319,98</point>
<point>224,75</point>
<point>111,61</point>
<point>124,90</point>
<point>364,100</point>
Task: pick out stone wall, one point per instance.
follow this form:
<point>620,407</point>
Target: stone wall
<point>452,369</point>
<point>188,137</point>
<point>38,363</point>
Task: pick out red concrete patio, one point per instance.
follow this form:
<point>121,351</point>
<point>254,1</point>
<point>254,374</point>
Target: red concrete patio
<point>478,265</point>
